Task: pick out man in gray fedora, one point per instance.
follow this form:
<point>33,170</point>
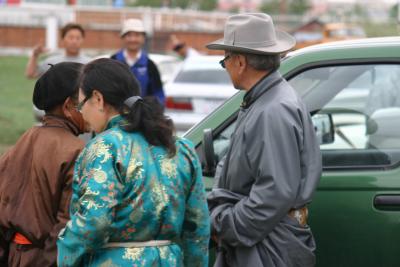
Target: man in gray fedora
<point>259,203</point>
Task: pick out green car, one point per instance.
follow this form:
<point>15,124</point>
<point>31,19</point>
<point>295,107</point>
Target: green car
<point>352,90</point>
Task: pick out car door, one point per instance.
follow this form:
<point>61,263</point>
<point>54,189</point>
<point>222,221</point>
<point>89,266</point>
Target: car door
<point>355,212</point>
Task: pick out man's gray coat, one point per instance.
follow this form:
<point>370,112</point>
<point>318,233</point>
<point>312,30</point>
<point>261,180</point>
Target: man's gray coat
<point>273,165</point>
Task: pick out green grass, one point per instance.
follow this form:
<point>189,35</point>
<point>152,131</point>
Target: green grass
<point>15,100</point>
<point>381,29</point>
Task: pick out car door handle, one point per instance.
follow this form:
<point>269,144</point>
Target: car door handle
<point>387,202</point>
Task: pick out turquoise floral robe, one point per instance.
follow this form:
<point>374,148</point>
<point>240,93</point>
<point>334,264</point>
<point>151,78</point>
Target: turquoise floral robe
<point>125,190</point>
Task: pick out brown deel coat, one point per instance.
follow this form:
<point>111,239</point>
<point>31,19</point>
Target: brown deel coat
<point>35,191</point>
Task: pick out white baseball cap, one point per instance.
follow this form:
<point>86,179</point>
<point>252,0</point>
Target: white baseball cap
<point>132,25</point>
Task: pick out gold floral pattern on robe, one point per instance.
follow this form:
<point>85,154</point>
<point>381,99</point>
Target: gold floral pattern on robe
<point>168,167</point>
<point>126,190</point>
<point>133,254</point>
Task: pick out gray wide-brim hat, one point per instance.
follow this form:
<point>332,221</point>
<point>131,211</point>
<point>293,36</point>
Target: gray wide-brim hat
<point>253,33</point>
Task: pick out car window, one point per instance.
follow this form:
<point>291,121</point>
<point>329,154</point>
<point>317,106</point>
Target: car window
<point>364,104</point>
<point>205,76</point>
<point>221,141</point>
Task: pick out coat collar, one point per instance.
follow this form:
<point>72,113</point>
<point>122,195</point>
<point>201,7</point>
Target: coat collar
<point>270,80</point>
<point>60,122</point>
<point>114,121</point>
<point>132,61</point>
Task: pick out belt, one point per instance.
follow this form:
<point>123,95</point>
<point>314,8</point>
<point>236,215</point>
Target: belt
<point>150,243</point>
<point>300,215</point>
<point>20,239</point>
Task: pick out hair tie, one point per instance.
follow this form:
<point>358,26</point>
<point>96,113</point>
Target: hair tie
<point>130,101</point>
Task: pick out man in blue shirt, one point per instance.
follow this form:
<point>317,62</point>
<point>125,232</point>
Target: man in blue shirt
<point>133,37</point>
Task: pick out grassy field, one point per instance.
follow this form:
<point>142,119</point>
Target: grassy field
<point>15,100</point>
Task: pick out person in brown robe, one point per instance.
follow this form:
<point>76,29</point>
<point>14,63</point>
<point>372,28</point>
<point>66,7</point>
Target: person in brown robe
<point>36,174</point>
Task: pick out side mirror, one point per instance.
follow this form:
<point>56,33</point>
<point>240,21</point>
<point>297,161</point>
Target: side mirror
<point>208,151</point>
<point>324,128</point>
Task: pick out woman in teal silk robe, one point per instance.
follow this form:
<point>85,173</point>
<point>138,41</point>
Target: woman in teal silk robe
<point>138,196</point>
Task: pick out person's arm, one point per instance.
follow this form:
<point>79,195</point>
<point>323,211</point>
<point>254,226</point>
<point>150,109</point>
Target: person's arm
<point>49,256</point>
<point>272,148</point>
<point>155,83</point>
<point>31,70</point>
<point>196,225</point>
<point>95,198</point>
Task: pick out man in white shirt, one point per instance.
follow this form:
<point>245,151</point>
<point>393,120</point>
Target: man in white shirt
<point>72,36</point>
<point>133,36</point>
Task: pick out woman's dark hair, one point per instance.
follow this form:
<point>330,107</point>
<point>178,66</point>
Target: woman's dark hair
<point>116,83</point>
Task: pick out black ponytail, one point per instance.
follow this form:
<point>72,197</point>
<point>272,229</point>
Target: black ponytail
<point>116,83</point>
<point>147,116</point>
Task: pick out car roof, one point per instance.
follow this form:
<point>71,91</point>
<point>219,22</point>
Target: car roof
<point>384,49</point>
<point>163,57</point>
<point>350,44</point>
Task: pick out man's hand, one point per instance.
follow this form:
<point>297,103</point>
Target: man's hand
<point>39,49</point>
<point>31,70</point>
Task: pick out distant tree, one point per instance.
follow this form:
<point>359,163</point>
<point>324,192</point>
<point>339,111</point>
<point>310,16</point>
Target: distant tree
<point>360,10</point>
<point>357,13</point>
<point>149,3</point>
<point>207,4</point>
<point>159,3</point>
<point>180,3</point>
<point>271,7</point>
<point>197,4</point>
<point>393,12</point>
<point>297,7</point>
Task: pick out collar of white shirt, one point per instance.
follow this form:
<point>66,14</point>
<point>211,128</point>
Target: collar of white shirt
<point>129,60</point>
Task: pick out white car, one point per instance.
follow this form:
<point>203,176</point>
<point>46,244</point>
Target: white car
<point>197,88</point>
<point>166,64</point>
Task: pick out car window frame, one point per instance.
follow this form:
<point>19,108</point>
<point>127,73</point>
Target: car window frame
<point>346,62</point>
<point>313,65</point>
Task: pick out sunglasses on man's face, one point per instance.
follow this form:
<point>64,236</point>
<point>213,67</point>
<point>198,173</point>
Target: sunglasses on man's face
<point>222,62</point>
